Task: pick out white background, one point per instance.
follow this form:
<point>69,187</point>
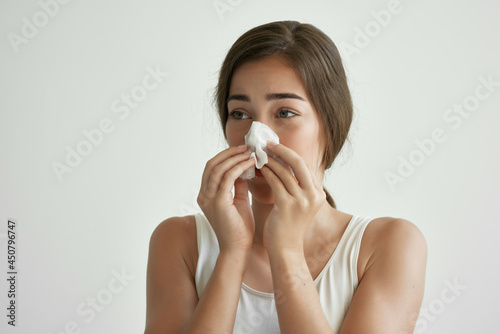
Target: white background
<point>74,232</point>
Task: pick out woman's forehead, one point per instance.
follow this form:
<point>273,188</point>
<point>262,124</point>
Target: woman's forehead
<point>271,73</point>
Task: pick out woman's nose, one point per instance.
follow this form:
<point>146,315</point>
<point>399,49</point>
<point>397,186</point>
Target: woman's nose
<point>264,121</point>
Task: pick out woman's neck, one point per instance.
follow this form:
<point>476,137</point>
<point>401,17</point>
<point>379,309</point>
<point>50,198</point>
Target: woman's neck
<point>261,211</point>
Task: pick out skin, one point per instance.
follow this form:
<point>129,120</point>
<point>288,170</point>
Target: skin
<point>267,243</point>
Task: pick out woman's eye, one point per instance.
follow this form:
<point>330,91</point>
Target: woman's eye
<point>285,113</point>
<point>238,115</point>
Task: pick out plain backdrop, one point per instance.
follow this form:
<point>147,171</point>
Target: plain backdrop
<point>82,236</point>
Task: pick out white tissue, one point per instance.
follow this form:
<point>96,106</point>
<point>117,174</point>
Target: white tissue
<point>256,139</point>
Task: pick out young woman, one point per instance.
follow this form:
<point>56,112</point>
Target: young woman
<point>288,261</point>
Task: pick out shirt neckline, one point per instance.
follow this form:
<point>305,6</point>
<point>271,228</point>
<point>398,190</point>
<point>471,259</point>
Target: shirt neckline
<point>320,275</point>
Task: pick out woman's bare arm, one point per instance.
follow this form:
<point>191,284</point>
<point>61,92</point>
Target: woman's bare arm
<point>297,301</point>
<point>388,297</point>
<point>390,293</point>
<point>172,301</point>
<point>173,305</point>
<point>171,293</point>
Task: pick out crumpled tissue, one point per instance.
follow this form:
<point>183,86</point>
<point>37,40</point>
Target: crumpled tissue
<point>256,139</point>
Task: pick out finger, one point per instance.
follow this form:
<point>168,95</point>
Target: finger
<point>285,175</point>
<point>216,160</point>
<point>295,161</point>
<point>278,188</point>
<point>241,190</point>
<point>232,174</point>
<point>218,172</point>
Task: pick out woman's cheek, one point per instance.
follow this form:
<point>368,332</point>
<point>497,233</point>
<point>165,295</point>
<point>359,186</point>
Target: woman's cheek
<point>235,134</point>
<point>304,142</point>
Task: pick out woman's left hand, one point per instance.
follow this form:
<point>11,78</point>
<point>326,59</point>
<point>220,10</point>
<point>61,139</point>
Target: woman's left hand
<point>297,199</point>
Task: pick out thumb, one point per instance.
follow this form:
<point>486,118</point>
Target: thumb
<point>241,190</point>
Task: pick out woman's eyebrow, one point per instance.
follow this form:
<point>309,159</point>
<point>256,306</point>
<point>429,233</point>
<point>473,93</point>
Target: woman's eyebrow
<point>269,97</point>
<point>238,97</point>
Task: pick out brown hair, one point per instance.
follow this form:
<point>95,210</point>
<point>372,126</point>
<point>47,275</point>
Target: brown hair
<point>315,57</point>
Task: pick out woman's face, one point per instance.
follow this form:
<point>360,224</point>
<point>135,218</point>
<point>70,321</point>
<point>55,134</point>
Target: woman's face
<point>271,92</point>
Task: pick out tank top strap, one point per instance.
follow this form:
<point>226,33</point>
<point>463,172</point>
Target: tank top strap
<point>208,251</point>
<point>338,281</point>
<point>350,250</point>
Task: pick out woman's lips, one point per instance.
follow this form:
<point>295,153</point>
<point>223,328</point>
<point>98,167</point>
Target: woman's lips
<point>258,173</point>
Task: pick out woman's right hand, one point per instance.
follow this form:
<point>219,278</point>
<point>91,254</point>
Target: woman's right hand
<point>230,217</point>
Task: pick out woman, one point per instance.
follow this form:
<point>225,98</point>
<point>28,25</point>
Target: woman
<point>288,261</point>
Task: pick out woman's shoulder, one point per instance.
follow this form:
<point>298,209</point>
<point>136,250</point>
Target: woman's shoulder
<point>384,231</point>
<point>389,235</point>
<point>174,228</point>
<point>176,235</point>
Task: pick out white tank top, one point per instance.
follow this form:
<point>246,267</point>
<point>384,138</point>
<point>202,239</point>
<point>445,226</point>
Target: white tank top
<point>256,312</point>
